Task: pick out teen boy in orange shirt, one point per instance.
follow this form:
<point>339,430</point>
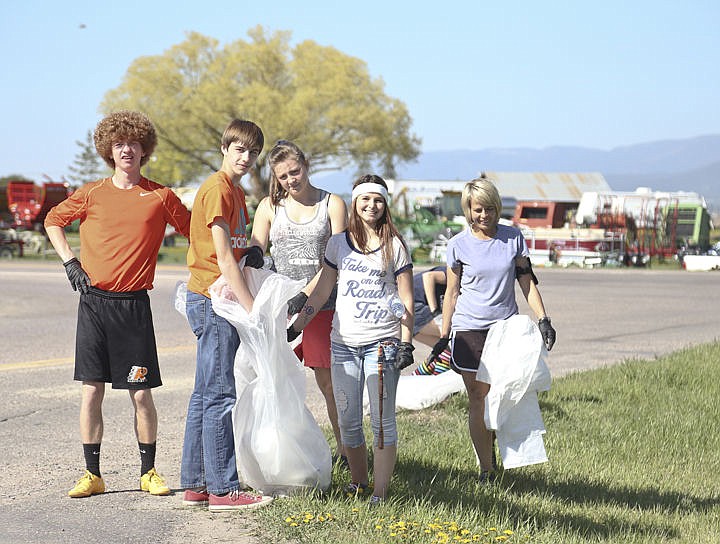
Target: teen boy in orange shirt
<point>122,225</point>
<point>218,241</point>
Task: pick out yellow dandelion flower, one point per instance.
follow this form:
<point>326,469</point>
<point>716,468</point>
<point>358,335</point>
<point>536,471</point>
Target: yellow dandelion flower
<point>293,524</point>
<point>493,529</point>
<point>378,527</point>
<point>508,532</point>
<point>288,519</point>
<point>501,538</point>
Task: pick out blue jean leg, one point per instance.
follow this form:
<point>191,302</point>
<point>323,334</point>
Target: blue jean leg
<point>208,457</point>
<point>351,367</point>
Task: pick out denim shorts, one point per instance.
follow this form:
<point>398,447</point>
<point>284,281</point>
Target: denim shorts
<point>423,316</point>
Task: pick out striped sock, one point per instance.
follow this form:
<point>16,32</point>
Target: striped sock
<point>433,367</point>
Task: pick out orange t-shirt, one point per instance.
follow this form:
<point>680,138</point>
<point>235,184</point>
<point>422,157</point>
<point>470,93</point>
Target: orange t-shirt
<point>121,230</point>
<point>217,198</point>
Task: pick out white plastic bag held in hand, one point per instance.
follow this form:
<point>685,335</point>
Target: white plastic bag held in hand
<point>279,446</point>
<point>513,363</point>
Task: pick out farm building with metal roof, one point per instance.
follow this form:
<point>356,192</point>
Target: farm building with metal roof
<point>556,186</point>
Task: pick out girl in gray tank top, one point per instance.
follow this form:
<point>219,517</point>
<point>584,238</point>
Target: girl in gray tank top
<point>298,248</point>
<point>298,219</point>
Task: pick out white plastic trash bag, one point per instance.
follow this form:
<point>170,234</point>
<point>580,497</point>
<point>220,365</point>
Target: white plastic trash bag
<point>418,392</point>
<point>513,363</point>
<point>279,446</point>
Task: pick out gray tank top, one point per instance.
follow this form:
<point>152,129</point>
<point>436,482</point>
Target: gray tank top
<point>298,249</point>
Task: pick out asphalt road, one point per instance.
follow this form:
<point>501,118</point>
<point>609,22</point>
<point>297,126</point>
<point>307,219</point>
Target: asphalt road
<point>602,317</point>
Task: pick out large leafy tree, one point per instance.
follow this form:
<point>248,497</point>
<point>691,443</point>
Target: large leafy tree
<point>317,96</point>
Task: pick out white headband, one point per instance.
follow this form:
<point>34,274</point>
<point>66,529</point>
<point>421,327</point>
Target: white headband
<point>369,187</point>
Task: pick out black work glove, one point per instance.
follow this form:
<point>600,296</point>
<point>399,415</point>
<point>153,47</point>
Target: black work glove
<point>436,312</point>
<point>292,334</point>
<point>77,276</point>
<point>547,331</point>
<point>404,357</point>
<point>438,348</point>
<point>296,303</point>
<point>254,257</point>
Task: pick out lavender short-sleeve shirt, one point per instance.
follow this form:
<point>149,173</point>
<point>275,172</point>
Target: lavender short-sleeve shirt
<point>487,283</point>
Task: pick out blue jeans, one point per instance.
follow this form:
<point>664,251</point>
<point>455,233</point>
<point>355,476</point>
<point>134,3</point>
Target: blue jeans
<point>208,457</point>
<point>351,367</point>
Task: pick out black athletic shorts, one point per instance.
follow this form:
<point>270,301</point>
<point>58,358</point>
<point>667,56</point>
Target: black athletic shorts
<point>115,341</point>
<point>467,347</point>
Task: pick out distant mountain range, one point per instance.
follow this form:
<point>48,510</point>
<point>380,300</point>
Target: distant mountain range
<point>669,165</point>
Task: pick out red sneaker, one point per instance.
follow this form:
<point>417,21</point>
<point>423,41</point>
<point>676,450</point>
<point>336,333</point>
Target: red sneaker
<point>237,500</point>
<point>195,498</point>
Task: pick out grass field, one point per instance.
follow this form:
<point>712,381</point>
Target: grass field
<point>633,454</point>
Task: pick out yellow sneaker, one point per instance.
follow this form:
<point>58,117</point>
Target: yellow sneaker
<point>152,482</point>
<point>89,484</point>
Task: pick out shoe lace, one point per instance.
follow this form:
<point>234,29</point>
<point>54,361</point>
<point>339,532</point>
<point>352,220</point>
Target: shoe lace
<point>239,494</point>
<point>156,478</point>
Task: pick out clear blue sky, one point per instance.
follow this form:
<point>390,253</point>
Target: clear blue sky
<point>474,74</point>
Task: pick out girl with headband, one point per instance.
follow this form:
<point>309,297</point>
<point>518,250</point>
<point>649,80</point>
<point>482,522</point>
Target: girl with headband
<point>371,267</point>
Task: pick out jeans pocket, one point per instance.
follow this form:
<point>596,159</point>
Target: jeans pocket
<point>195,311</point>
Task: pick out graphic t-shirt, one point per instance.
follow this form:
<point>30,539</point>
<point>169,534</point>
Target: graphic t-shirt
<point>121,230</point>
<point>217,198</point>
<point>364,287</point>
<point>487,283</point>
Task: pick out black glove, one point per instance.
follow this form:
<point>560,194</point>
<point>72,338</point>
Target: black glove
<point>254,257</point>
<point>547,331</point>
<point>292,334</point>
<point>438,348</point>
<point>77,276</point>
<point>404,357</point>
<point>436,312</point>
<point>296,303</point>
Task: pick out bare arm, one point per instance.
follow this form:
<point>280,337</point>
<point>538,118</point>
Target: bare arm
<point>262,222</point>
<point>57,238</point>
<point>451,296</point>
<point>228,266</point>
<point>430,279</point>
<point>337,210</point>
<point>530,290</point>
<point>405,292</point>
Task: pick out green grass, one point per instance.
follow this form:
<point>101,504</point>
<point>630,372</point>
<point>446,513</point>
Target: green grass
<point>634,457</point>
